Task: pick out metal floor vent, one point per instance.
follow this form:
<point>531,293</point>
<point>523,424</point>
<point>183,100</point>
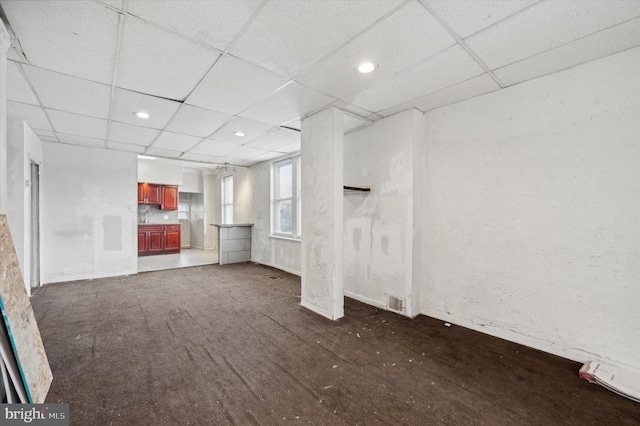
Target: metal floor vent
<point>395,303</point>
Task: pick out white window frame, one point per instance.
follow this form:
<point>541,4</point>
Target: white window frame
<point>296,222</point>
<point>223,192</point>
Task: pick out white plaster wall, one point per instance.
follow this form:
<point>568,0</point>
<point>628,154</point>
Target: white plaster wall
<point>23,148</point>
<point>532,212</point>
<point>196,220</point>
<point>156,171</point>
<point>89,208</point>
<point>378,226</point>
<point>322,245</point>
<point>191,181</point>
<point>211,210</point>
<point>242,196</point>
<point>276,252</point>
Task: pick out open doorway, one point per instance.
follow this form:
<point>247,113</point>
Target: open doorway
<point>35,225</point>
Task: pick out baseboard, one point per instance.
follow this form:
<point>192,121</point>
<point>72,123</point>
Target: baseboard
<point>365,299</point>
<point>573,354</point>
<point>82,277</point>
<point>317,310</point>
<point>282,268</point>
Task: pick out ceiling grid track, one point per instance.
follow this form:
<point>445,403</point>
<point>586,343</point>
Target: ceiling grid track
<point>462,44</point>
<point>33,89</point>
<point>116,61</point>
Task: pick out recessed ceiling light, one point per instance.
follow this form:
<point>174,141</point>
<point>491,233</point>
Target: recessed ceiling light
<point>142,114</point>
<point>239,134</point>
<point>146,157</point>
<point>366,67</point>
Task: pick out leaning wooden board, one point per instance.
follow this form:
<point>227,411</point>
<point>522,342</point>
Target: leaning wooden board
<point>20,322</point>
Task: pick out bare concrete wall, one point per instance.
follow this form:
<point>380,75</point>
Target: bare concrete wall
<point>379,225</point>
<point>23,148</point>
<point>532,224</point>
<point>277,252</point>
<point>89,209</point>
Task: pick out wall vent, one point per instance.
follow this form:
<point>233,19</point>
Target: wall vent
<point>395,303</point>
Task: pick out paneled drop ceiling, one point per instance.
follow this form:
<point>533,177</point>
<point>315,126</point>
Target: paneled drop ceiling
<point>206,70</point>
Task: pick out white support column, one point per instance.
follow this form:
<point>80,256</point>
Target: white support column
<point>5,44</point>
<point>322,222</point>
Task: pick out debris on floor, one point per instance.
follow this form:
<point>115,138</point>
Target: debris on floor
<point>615,379</point>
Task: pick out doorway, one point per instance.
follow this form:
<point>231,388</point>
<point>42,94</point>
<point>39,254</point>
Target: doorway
<point>35,225</point>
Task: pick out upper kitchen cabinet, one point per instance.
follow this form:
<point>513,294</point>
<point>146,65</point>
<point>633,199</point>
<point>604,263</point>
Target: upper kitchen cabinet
<point>149,193</point>
<point>169,198</point>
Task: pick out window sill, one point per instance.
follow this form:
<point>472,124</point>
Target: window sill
<point>283,237</point>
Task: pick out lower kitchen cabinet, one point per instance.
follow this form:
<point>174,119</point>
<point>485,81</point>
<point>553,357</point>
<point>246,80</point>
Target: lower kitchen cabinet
<point>158,239</point>
<point>171,238</point>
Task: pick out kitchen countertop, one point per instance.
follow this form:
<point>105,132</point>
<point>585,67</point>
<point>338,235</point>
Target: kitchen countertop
<point>230,225</point>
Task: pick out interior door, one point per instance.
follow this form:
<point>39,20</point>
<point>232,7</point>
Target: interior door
<point>35,225</point>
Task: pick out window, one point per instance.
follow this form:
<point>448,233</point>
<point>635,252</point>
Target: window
<point>285,212</point>
<point>227,199</point>
<point>183,211</point>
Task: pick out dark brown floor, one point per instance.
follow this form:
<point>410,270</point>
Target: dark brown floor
<point>230,344</point>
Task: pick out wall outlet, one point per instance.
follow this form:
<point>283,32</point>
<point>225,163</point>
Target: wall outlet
<point>166,216</point>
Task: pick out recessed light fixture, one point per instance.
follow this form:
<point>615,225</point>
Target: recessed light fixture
<point>240,134</point>
<point>366,67</point>
<point>146,157</point>
<point>142,114</point>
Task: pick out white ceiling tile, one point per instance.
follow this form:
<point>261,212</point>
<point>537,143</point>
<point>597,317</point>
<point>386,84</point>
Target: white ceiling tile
<point>81,140</point>
<point>73,37</point>
<point>49,138</point>
<point>452,66</point>
<point>244,153</point>
<point>119,146</point>
<point>167,153</point>
<point>196,157</point>
<point>352,123</point>
<point>275,138</point>
<point>467,89</point>
<point>547,25</point>
<point>214,23</point>
<point>159,63</point>
<point>130,134</point>
<point>176,141</point>
<point>468,17</point>
<point>266,156</point>
<point>233,85</point>
<point>212,148</point>
<point>250,128</point>
<point>598,45</point>
<point>45,133</point>
<point>17,87</point>
<point>33,115</point>
<point>71,94</point>
<point>127,103</point>
<point>291,102</point>
<point>289,36</point>
<point>78,125</point>
<point>113,3</point>
<point>290,148</point>
<point>404,39</point>
<point>196,121</point>
<point>346,106</point>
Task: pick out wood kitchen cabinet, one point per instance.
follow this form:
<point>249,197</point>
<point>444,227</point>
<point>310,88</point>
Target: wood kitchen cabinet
<point>150,193</point>
<point>158,239</point>
<point>171,238</point>
<point>169,198</point>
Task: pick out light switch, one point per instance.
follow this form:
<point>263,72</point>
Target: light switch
<point>166,216</point>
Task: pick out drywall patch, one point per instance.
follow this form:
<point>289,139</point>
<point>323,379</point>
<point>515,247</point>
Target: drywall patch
<point>112,227</point>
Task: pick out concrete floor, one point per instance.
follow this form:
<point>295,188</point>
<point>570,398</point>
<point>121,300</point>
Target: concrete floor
<point>231,345</point>
<point>186,258</point>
